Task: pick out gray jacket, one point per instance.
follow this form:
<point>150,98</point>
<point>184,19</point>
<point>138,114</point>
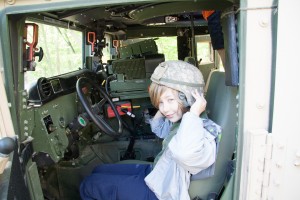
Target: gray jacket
<point>187,149</point>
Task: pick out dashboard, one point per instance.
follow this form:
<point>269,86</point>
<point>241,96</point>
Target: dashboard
<point>53,114</point>
<point>59,120</point>
<point>48,89</point>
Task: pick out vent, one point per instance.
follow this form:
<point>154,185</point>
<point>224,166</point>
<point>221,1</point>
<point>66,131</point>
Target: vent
<point>45,87</point>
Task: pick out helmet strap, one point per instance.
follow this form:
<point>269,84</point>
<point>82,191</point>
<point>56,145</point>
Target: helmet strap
<point>183,99</point>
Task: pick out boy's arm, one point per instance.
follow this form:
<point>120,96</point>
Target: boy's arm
<point>160,126</point>
<point>191,147</point>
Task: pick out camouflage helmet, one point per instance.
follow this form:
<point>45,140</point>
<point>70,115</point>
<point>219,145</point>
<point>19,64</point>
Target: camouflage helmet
<point>181,76</point>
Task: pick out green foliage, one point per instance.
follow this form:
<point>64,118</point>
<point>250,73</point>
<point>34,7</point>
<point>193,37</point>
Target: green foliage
<point>168,47</point>
<point>204,52</point>
<point>62,52</point>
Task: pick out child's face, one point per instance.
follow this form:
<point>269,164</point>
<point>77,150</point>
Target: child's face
<point>169,106</point>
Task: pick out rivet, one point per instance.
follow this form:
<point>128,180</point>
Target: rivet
<point>260,105</point>
<point>263,23</point>
<point>297,163</point>
<point>11,2</point>
<point>298,153</point>
<point>278,164</point>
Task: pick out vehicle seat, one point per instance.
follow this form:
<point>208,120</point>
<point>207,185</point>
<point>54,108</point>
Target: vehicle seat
<point>206,69</point>
<point>190,60</point>
<point>221,108</point>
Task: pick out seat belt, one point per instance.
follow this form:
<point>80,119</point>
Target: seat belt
<point>17,189</point>
<point>129,154</point>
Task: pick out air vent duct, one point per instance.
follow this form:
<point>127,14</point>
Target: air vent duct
<point>45,88</point>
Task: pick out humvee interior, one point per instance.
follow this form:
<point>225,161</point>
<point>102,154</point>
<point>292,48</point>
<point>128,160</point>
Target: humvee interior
<point>88,104</point>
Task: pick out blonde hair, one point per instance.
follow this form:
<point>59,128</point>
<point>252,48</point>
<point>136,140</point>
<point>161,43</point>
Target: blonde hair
<point>155,92</point>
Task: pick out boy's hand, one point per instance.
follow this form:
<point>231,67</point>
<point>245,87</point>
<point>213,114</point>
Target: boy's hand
<point>158,115</point>
<point>199,106</point>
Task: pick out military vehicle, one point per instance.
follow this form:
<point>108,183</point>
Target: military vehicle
<point>74,91</point>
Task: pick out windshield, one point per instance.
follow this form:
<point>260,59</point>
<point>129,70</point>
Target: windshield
<point>62,49</point>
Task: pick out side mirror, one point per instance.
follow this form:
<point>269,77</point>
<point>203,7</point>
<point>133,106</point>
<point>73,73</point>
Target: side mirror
<point>7,145</point>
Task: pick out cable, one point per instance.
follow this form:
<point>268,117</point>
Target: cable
<point>108,79</point>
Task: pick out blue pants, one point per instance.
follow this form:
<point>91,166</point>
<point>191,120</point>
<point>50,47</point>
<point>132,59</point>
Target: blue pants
<point>117,181</point>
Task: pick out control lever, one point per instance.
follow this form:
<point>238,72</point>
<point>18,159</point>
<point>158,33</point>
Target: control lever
<point>30,51</point>
<point>7,145</point>
<point>39,54</point>
<point>130,153</point>
<point>91,39</point>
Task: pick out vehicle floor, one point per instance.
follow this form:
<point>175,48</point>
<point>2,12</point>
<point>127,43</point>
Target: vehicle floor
<point>62,180</point>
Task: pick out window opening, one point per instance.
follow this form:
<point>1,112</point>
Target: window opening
<point>62,52</point>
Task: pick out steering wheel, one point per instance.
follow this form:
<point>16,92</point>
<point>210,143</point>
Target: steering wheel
<point>93,110</point>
